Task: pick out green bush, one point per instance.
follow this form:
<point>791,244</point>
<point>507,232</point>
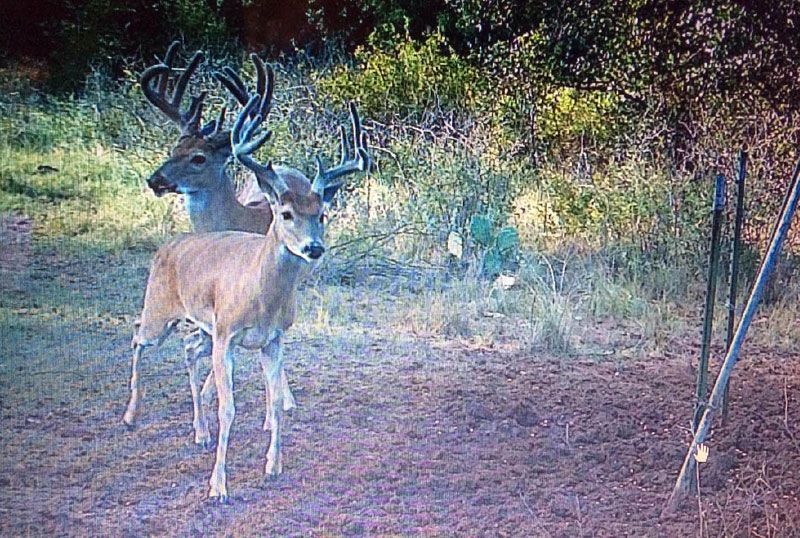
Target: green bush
<point>405,79</point>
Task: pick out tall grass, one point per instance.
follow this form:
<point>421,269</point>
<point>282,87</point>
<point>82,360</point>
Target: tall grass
<point>609,231</point>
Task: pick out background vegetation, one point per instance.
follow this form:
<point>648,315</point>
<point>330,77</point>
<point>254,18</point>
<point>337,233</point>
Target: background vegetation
<point>572,145</point>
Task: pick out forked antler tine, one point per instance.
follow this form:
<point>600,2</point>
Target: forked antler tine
<point>348,163</point>
<point>250,127</point>
<point>190,120</point>
<point>183,80</point>
<point>157,97</point>
<point>242,140</point>
<point>243,145</point>
<point>168,57</point>
<point>233,83</point>
<point>215,126</point>
<point>242,120</point>
<point>265,82</point>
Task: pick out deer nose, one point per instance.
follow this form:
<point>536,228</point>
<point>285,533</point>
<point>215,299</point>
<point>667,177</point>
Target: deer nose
<point>314,250</point>
<point>160,185</point>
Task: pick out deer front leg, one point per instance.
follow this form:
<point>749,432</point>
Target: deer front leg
<point>289,402</point>
<point>196,346</point>
<point>272,364</point>
<point>222,361</point>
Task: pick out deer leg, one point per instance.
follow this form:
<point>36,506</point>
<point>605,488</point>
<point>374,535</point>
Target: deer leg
<point>289,402</point>
<point>288,398</point>
<point>194,350</point>
<point>139,342</point>
<point>208,389</point>
<point>222,360</point>
<point>129,418</point>
<point>272,363</point>
<point>203,348</point>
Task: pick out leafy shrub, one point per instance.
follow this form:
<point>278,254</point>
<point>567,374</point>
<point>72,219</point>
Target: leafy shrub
<point>405,79</point>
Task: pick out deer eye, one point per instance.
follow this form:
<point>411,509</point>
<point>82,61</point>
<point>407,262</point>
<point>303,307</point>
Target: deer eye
<point>287,215</point>
<point>198,159</point>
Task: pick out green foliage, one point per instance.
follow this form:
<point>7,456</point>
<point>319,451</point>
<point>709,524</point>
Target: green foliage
<point>507,242</point>
<point>75,166</point>
<point>406,79</point>
<point>104,34</point>
<point>453,149</point>
<point>500,250</point>
<point>480,229</point>
<point>568,115</point>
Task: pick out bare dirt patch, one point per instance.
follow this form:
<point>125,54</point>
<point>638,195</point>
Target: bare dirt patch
<point>395,434</point>
<point>15,250</point>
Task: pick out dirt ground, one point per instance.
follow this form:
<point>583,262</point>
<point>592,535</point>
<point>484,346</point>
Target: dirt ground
<point>397,433</point>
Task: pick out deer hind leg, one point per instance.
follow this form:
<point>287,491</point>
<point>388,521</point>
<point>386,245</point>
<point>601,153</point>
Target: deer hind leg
<point>288,398</point>
<point>197,345</point>
<point>129,418</point>
<point>272,363</point>
<point>222,360</point>
<point>141,339</point>
<point>289,402</point>
<point>208,389</point>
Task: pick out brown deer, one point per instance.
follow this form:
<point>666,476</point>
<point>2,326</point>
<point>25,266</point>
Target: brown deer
<point>241,287</point>
<point>197,168</point>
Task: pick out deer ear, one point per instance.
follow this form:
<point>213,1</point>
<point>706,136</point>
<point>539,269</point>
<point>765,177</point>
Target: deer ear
<point>221,142</point>
<point>268,182</point>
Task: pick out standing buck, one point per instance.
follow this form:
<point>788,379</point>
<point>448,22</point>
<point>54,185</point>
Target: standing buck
<point>197,168</point>
<point>241,287</point>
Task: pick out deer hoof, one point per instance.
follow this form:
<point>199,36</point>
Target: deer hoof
<point>128,422</point>
<point>272,470</point>
<point>214,497</point>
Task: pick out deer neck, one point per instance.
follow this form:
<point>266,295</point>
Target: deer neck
<point>214,210</point>
<point>281,271</point>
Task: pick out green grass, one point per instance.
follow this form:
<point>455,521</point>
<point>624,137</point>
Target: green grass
<point>594,247</point>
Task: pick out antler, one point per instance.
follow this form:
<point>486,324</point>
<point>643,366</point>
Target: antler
<point>188,120</point>
<point>324,179</point>
<point>243,144</point>
<point>265,82</point>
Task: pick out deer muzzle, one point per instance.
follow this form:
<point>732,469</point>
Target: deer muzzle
<point>160,185</point>
<point>314,250</point>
